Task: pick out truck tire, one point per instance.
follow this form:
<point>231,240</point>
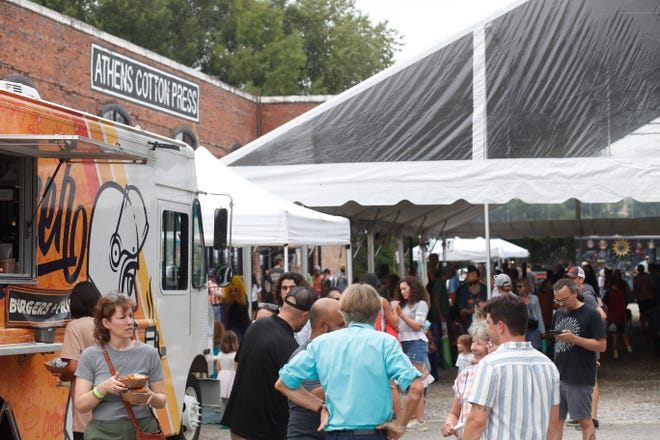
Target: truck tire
<point>191,413</point>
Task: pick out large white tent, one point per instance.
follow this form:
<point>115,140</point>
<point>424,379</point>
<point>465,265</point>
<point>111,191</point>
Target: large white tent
<point>546,102</point>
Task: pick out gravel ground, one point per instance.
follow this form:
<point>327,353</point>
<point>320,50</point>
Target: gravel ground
<point>629,403</point>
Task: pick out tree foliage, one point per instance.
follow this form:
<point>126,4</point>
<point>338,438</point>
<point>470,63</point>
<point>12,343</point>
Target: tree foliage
<point>266,47</point>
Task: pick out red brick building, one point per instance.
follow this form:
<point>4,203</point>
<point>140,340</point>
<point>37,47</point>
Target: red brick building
<point>75,65</point>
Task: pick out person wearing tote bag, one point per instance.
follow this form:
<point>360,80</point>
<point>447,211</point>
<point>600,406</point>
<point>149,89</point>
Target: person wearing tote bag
<point>118,354</point>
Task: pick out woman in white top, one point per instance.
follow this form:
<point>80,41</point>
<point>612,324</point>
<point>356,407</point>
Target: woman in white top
<point>412,308</point>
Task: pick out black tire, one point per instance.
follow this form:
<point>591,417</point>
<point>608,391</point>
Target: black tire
<point>191,413</point>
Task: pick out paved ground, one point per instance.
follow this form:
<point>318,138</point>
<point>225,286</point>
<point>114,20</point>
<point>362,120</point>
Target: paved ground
<point>629,404</point>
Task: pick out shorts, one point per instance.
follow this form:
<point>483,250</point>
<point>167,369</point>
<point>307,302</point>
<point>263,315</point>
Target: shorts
<point>575,400</point>
<point>417,350</point>
<point>616,328</point>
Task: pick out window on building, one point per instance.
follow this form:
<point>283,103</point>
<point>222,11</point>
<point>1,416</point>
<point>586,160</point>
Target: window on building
<point>174,250</point>
<point>115,112</point>
<point>186,135</point>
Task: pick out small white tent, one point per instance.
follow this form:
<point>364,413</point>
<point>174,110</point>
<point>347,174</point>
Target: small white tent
<point>474,249</point>
<point>260,217</point>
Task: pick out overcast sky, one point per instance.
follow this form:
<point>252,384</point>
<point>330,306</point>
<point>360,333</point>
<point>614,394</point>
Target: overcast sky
<point>424,23</point>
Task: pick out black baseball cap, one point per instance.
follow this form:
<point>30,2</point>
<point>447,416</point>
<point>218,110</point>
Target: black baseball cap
<point>301,298</point>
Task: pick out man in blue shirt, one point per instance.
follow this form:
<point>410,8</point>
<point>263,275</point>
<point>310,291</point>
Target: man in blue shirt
<point>354,366</point>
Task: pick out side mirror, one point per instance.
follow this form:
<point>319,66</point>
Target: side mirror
<point>220,228</point>
<point>224,275</point>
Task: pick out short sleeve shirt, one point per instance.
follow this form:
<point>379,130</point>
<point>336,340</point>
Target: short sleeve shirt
<point>142,359</point>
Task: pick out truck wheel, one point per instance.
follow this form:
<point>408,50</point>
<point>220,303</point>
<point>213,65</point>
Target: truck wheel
<point>191,413</point>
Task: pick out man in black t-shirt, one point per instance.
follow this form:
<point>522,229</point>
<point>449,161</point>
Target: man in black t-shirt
<point>256,410</point>
<point>580,335</point>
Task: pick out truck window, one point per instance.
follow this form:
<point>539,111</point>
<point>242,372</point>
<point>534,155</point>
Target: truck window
<point>198,260</point>
<point>174,250</point>
<point>17,199</point>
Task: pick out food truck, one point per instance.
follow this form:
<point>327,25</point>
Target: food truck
<point>84,198</point>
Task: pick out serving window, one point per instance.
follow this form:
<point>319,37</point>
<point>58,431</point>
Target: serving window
<point>17,245</point>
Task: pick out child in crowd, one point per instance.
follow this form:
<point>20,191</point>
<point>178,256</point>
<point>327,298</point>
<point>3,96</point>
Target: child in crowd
<point>226,366</point>
<point>465,356</point>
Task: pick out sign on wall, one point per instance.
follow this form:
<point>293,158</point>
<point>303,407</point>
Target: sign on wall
<point>123,77</point>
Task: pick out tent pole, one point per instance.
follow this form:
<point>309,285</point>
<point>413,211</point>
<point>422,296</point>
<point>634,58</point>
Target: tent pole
<point>371,263</point>
<point>349,265</point>
<point>487,227</point>
<point>304,260</point>
<point>399,249</point>
<point>286,258</point>
<point>247,275</point>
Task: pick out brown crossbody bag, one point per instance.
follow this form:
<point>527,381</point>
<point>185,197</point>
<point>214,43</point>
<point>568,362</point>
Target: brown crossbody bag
<point>139,435</point>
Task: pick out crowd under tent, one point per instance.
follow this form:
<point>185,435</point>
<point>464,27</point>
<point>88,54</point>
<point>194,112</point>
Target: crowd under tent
<point>258,217</point>
<point>545,102</point>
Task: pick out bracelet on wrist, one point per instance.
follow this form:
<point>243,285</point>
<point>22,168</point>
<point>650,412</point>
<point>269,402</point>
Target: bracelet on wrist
<point>97,394</point>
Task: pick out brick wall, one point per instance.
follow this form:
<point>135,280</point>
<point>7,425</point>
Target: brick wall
<point>53,51</point>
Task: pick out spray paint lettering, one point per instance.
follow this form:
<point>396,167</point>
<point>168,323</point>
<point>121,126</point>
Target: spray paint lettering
<point>62,229</point>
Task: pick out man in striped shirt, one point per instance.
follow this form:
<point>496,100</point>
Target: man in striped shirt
<point>515,392</point>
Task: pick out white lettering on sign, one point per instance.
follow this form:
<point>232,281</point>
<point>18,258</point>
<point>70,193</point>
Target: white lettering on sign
<point>118,75</point>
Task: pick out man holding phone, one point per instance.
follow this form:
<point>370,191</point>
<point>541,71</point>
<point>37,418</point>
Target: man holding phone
<point>579,335</point>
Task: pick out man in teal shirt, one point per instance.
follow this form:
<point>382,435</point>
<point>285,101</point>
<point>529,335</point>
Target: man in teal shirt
<point>354,366</point>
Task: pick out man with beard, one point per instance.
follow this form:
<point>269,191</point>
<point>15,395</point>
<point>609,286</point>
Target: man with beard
<point>470,296</point>
<point>579,335</point>
<point>255,409</point>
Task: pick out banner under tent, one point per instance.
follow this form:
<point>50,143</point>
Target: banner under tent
<point>543,103</point>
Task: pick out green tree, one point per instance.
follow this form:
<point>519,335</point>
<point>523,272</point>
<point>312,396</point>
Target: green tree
<point>266,47</point>
<point>342,46</point>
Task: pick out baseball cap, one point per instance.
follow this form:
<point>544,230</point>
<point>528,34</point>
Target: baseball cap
<point>301,298</point>
<point>575,272</point>
<point>317,267</point>
<point>502,280</point>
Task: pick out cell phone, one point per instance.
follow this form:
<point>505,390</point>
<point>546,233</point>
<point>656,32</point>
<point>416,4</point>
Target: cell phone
<point>553,332</point>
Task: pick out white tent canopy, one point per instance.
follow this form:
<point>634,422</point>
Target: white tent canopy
<point>261,218</point>
<point>539,103</point>
<point>473,249</point>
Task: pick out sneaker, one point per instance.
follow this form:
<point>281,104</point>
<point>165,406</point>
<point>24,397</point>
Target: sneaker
<point>573,422</point>
<point>412,425</point>
<point>596,424</point>
<point>415,425</point>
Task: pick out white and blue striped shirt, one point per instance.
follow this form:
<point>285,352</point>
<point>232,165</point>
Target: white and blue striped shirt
<point>519,384</point>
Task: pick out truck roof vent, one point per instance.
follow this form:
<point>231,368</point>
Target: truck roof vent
<point>20,89</point>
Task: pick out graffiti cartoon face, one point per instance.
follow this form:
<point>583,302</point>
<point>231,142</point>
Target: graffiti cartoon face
<point>118,230</point>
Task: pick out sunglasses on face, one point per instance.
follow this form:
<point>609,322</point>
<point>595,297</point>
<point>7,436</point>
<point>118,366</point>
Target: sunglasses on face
<point>472,283</point>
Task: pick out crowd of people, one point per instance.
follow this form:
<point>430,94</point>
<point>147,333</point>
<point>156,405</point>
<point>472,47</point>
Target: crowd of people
<point>527,356</point>
<point>355,361</point>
